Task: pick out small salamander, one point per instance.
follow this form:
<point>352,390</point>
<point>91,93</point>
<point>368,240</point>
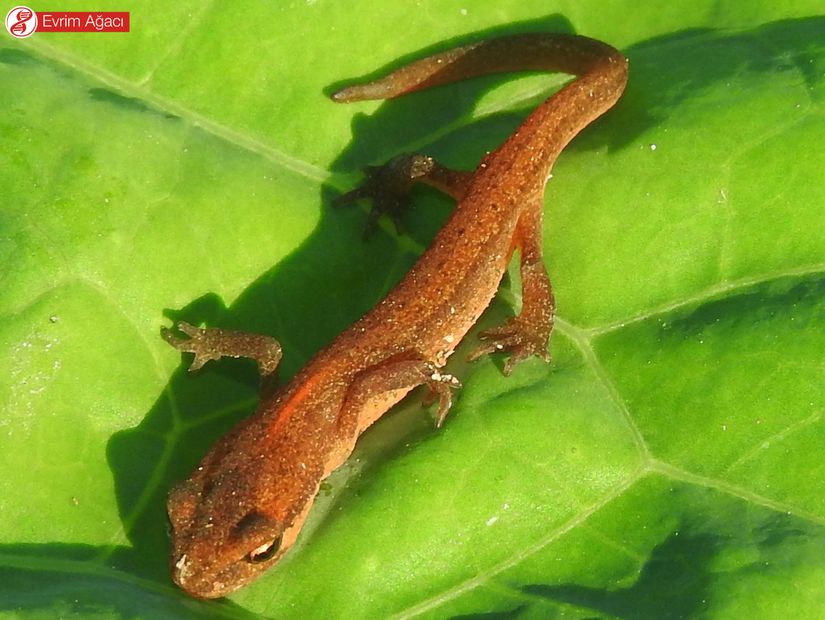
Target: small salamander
<point>245,503</point>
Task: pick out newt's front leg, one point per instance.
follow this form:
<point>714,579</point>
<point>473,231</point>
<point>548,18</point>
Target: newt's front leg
<point>213,343</point>
<point>364,401</point>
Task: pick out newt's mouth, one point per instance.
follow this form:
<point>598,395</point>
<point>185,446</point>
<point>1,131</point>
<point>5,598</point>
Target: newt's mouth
<point>210,580</point>
<point>204,583</point>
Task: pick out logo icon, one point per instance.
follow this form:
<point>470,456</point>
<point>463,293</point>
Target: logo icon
<point>21,22</point>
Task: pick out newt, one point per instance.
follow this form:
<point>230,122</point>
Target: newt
<point>244,505</point>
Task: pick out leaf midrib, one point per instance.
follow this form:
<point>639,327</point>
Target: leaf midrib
<point>167,106</point>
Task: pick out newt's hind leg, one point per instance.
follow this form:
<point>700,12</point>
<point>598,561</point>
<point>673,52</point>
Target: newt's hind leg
<point>388,186</point>
<point>528,333</point>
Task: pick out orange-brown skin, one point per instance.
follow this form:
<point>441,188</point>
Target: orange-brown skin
<point>244,505</point>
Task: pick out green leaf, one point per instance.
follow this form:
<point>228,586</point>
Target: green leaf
<point>666,465</point>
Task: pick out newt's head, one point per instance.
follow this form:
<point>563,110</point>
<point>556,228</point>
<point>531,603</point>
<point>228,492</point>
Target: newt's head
<point>237,514</point>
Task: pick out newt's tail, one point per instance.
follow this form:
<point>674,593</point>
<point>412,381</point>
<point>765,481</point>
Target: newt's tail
<point>563,53</point>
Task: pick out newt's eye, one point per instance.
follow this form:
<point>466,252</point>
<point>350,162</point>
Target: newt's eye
<point>265,552</point>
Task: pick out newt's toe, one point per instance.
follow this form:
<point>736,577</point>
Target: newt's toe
<point>516,338</point>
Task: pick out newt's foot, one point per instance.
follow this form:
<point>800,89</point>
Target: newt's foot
<point>388,188</point>
<point>440,386</point>
<point>517,337</point>
<point>212,344</point>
